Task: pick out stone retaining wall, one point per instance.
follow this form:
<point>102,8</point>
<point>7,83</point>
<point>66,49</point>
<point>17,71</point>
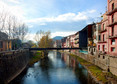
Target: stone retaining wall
<point>12,64</point>
<point>106,62</point>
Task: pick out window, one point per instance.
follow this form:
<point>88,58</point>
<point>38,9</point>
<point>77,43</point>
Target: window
<point>94,49</point>
<point>1,44</point>
<point>99,27</point>
<point>113,6</point>
<point>112,18</point>
<point>113,49</point>
<point>103,37</point>
<point>103,47</point>
<point>103,27</point>
<point>99,37</point>
<point>112,31</point>
<point>113,41</point>
<point>98,47</point>
<point>103,57</point>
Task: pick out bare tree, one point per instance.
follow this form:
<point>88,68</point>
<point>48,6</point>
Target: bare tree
<point>38,36</point>
<point>22,31</point>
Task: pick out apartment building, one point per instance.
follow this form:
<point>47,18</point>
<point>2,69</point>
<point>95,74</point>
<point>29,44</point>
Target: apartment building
<point>112,27</point>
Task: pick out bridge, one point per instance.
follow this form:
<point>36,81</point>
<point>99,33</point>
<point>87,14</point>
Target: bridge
<point>32,49</point>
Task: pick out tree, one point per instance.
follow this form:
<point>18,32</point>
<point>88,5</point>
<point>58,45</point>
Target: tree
<point>14,28</point>
<point>46,41</point>
<point>38,36</point>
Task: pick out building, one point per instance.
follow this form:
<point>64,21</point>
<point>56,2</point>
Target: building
<point>112,27</point>
<point>98,29</point>
<point>85,36</point>
<point>72,41</point>
<point>5,43</point>
<point>102,45</point>
<point>63,42</point>
<point>92,41</point>
<point>57,44</point>
<point>76,40</point>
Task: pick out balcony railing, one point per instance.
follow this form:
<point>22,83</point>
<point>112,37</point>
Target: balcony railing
<point>114,36</point>
<point>102,41</point>
<point>112,24</point>
<point>111,12</point>
<point>76,38</point>
<point>102,52</point>
<point>103,30</point>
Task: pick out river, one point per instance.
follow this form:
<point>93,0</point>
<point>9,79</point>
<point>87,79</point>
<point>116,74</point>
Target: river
<point>57,69</point>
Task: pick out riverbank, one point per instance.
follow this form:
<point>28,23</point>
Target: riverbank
<point>98,75</point>
<point>36,57</point>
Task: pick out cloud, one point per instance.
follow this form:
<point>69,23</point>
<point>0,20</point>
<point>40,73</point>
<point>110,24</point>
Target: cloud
<point>67,17</point>
<point>30,36</point>
<point>92,11</point>
<point>14,1</point>
<point>62,33</point>
<point>30,26</point>
<point>15,10</point>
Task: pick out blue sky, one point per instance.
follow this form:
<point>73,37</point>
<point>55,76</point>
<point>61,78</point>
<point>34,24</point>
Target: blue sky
<point>61,17</point>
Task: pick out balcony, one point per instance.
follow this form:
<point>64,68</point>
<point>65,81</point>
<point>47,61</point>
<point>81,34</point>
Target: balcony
<point>103,30</point>
<point>102,41</point>
<point>77,42</point>
<point>114,36</point>
<point>102,52</point>
<point>111,12</point>
<point>112,24</point>
<point>76,38</point>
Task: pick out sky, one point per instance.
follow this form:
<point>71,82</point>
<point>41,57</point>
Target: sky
<point>61,17</point>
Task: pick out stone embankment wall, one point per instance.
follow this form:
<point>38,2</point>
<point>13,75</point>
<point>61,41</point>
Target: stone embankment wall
<point>104,61</point>
<point>12,64</point>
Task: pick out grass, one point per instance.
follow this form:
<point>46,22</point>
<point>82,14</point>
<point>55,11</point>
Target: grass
<point>37,56</point>
<point>95,70</point>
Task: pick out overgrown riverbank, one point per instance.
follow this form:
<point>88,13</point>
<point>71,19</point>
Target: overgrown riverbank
<point>36,57</point>
<point>100,75</point>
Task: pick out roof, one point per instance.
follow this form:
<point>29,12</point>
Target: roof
<point>3,36</point>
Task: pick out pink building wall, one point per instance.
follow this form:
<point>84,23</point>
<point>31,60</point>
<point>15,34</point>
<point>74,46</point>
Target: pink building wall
<point>112,23</point>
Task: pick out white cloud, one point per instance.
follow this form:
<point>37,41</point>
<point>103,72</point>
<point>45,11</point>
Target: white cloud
<point>92,11</point>
<point>68,17</point>
<point>14,1</point>
<point>12,9</point>
<point>30,26</point>
<point>42,23</point>
<point>62,33</point>
<point>31,36</point>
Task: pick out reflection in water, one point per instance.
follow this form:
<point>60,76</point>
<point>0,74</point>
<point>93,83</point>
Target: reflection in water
<point>57,69</point>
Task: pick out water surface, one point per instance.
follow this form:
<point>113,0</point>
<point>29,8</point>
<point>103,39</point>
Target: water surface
<point>57,69</point>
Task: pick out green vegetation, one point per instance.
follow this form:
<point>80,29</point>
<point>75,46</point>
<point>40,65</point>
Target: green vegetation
<point>37,56</point>
<point>95,70</point>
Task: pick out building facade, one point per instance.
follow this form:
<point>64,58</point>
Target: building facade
<point>76,40</point>
<point>5,43</point>
<point>102,45</point>
<point>112,30</point>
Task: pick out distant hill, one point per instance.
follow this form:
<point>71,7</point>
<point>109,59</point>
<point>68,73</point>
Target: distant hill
<point>57,38</point>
